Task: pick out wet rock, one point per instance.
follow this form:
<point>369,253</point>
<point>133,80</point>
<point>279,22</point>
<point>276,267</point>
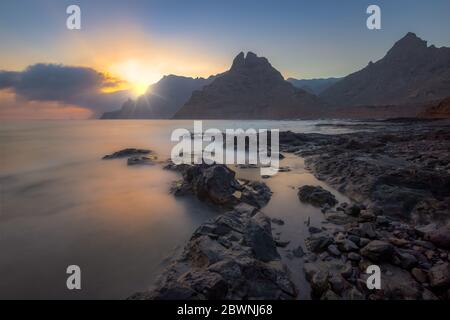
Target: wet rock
<point>354,257</point>
<point>216,183</point>
<point>139,160</point>
<point>333,250</point>
<point>398,284</point>
<point>319,283</point>
<point>440,275</point>
<point>318,242</point>
<point>316,196</point>
<point>277,221</point>
<point>378,251</point>
<point>405,259</point>
<point>439,237</point>
<point>313,229</point>
<point>232,256</point>
<point>338,218</point>
<point>419,275</point>
<point>298,252</point>
<point>125,153</point>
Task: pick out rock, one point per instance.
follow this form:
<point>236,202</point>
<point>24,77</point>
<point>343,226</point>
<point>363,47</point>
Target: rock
<point>313,229</point>
<point>282,244</point>
<point>405,260</point>
<point>338,218</point>
<point>316,196</point>
<point>124,153</point>
<point>353,294</point>
<point>333,250</point>
<point>232,256</point>
<point>318,242</point>
<point>419,275</point>
<point>139,160</point>
<point>440,276</point>
<point>256,194</point>
<point>216,183</point>
<point>330,295</point>
<point>346,245</point>
<point>439,237</point>
<point>354,257</point>
<point>378,251</point>
<point>319,283</point>
<point>398,284</point>
<point>277,221</point>
<point>298,252</point>
<point>353,210</point>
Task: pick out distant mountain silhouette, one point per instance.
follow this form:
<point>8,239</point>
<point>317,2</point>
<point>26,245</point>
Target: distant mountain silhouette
<point>251,89</point>
<point>162,100</point>
<point>410,73</point>
<point>314,86</point>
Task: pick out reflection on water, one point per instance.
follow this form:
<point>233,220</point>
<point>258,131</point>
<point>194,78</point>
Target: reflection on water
<point>60,205</point>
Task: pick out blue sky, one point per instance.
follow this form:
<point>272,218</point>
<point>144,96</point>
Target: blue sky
<point>301,38</point>
<point>134,43</point>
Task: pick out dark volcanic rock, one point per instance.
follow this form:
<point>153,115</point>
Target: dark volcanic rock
<point>124,153</point>
<point>216,183</point>
<point>401,172</point>
<point>316,195</point>
<point>378,251</point>
<point>232,256</point>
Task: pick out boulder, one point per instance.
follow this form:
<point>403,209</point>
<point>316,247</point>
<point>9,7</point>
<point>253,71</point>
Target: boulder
<point>378,251</point>
<point>316,196</point>
<point>125,153</point>
<point>440,276</point>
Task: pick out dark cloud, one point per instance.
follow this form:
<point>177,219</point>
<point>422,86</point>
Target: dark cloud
<point>70,85</point>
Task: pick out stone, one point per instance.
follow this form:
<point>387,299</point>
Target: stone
<point>319,283</point>
<point>139,160</point>
<point>316,196</point>
<point>338,218</point>
<point>333,250</point>
<point>378,251</point>
<point>353,256</point>
<point>298,252</point>
<point>440,275</point>
<point>318,242</point>
<point>125,153</point>
<point>405,259</point>
<point>439,237</point>
<point>419,275</point>
<point>346,245</point>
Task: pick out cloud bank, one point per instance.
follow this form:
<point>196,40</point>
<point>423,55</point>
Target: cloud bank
<point>66,85</point>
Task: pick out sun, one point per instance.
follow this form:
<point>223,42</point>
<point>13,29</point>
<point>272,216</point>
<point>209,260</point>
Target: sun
<point>137,74</point>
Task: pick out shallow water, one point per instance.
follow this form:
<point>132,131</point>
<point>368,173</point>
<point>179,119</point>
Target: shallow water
<point>61,204</point>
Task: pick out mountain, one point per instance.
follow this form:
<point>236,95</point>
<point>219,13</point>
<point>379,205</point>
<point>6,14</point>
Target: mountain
<point>410,73</point>
<point>314,86</point>
<point>162,100</point>
<point>440,109</point>
<point>251,89</point>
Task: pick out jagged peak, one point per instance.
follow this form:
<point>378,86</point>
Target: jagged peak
<point>251,59</point>
<point>408,44</point>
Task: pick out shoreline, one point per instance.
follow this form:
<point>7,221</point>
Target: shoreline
<point>410,245</point>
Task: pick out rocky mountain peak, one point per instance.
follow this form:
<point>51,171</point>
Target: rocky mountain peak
<point>249,61</point>
<point>409,44</point>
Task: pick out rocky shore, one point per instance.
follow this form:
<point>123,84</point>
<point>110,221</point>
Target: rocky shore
<point>232,256</point>
<point>399,180</point>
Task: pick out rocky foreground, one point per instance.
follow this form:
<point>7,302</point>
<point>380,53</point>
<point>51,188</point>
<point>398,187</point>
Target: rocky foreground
<point>232,256</point>
<point>399,179</point>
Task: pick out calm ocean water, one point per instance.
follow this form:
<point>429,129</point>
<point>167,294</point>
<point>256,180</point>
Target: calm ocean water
<point>60,204</point>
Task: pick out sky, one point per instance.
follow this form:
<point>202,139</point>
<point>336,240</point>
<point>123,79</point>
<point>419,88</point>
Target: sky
<point>133,43</point>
